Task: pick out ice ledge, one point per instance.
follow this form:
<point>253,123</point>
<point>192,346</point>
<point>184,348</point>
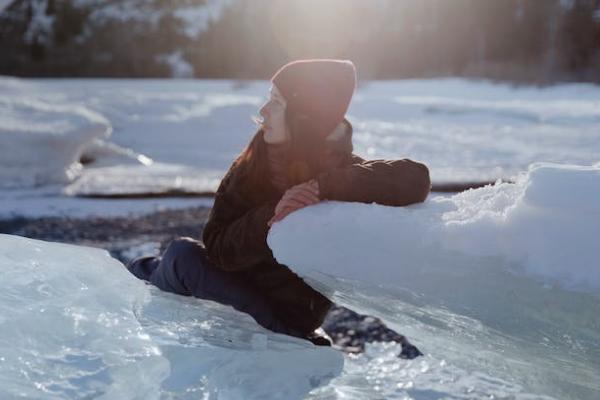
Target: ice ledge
<point>545,224</point>
<point>76,324</point>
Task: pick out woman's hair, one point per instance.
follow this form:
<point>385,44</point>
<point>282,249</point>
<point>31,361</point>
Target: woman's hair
<point>249,160</point>
<point>304,156</point>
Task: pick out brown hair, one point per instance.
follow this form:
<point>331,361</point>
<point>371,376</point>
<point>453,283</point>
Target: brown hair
<point>304,159</point>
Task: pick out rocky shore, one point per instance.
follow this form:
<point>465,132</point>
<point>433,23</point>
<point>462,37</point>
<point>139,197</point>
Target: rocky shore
<point>129,237</point>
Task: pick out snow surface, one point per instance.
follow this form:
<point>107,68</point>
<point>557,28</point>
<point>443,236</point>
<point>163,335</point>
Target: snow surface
<point>193,129</point>
<point>99,332</point>
<point>482,280</point>
<point>463,130</point>
<point>45,135</point>
<point>42,142</point>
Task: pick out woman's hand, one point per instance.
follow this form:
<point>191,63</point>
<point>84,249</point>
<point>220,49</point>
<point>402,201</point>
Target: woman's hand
<point>295,198</point>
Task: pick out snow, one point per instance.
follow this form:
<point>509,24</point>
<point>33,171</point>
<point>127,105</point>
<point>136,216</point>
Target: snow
<point>463,130</point>
<point>46,133</point>
<point>143,179</point>
<point>72,332</point>
<point>42,142</point>
<point>548,222</point>
<point>179,67</point>
<point>549,225</point>
<point>196,19</point>
<point>477,131</point>
<point>4,3</point>
<point>41,27</point>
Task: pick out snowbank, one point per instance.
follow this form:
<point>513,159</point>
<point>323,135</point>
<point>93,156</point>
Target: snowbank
<point>547,223</point>
<point>193,133</point>
<point>74,323</point>
<point>45,141</point>
<point>465,131</point>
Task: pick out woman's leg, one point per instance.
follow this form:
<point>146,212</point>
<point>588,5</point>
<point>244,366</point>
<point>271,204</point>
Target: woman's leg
<point>185,269</point>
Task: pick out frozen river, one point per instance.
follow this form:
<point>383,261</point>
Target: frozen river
<point>499,287</point>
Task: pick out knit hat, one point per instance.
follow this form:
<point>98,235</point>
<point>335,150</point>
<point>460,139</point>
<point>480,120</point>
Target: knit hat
<point>319,90</point>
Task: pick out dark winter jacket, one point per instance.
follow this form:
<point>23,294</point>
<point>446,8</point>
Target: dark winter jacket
<point>235,234</point>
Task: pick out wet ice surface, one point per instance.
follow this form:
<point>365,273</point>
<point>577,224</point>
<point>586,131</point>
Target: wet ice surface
<point>104,328</point>
<point>75,324</point>
<point>524,352</point>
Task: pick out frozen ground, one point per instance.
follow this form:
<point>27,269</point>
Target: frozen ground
<point>189,131</point>
<point>498,286</point>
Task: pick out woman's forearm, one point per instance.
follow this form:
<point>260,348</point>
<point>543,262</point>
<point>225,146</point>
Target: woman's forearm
<point>387,182</point>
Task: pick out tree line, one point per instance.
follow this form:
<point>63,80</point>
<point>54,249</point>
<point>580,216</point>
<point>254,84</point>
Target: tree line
<point>516,40</point>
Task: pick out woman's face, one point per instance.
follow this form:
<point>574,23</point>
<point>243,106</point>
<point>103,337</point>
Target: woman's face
<point>273,114</point>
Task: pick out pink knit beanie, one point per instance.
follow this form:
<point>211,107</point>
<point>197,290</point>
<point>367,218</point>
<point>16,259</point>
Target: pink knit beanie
<point>318,89</point>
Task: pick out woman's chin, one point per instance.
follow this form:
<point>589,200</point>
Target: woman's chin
<point>273,137</point>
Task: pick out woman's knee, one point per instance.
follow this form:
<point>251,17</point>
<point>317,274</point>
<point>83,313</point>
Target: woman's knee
<point>182,264</point>
<point>182,248</point>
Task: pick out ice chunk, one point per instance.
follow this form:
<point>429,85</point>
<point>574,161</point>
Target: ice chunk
<point>42,142</point>
<point>548,222</point>
<point>75,323</point>
<point>483,279</point>
<point>68,327</point>
<point>567,189</point>
<point>136,180</point>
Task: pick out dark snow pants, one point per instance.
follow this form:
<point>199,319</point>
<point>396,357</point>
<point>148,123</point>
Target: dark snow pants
<point>184,269</point>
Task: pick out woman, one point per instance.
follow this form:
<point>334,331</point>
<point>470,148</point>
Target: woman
<point>301,155</point>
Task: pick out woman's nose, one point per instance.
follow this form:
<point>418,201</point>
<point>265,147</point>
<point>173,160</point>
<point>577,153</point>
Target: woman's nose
<point>263,110</point>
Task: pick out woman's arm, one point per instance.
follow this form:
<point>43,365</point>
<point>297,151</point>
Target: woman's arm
<point>387,182</point>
